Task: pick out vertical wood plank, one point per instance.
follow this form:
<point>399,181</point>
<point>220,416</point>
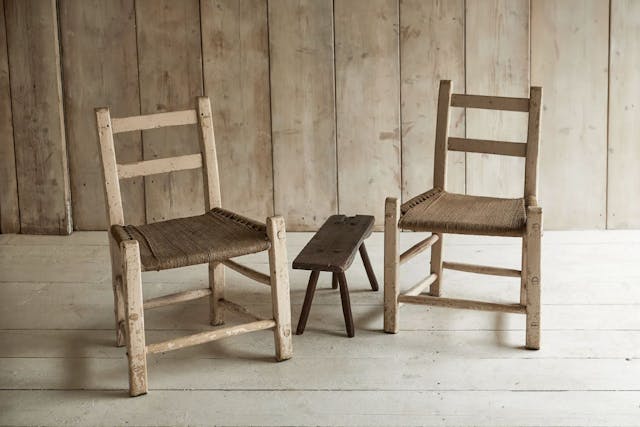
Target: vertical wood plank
<point>497,55</point>
<point>100,68</point>
<point>431,49</point>
<point>9,211</point>
<point>235,46</point>
<point>624,116</point>
<point>569,52</point>
<point>367,104</point>
<point>303,111</point>
<point>170,72</point>
<point>38,121</point>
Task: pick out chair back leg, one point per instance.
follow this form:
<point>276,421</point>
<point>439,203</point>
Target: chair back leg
<point>216,284</point>
<point>118,297</point>
<point>533,238</point>
<point>278,269</point>
<point>134,311</point>
<point>436,265</point>
<point>523,272</point>
<point>391,264</point>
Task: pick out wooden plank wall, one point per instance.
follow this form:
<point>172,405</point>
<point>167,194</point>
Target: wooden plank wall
<point>170,75</point>
<point>431,49</point>
<point>38,117</point>
<point>569,46</point>
<point>99,45</point>
<point>367,104</point>
<point>624,116</point>
<point>497,60</point>
<point>235,44</point>
<point>320,106</point>
<point>303,110</point>
<point>9,211</point>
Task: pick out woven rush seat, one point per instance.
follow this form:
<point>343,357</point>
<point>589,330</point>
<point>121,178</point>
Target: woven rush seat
<point>442,212</point>
<point>216,235</point>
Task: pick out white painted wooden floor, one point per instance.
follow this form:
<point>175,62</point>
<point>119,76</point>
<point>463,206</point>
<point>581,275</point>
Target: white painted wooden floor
<point>58,364</point>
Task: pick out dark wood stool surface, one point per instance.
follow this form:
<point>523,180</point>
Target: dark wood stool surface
<point>333,249</point>
<point>334,246</point>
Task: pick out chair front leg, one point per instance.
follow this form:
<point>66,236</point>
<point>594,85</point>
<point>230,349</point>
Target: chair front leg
<point>436,265</point>
<point>278,268</point>
<point>533,249</point>
<point>118,297</point>
<point>216,284</point>
<point>134,311</point>
<point>391,264</point>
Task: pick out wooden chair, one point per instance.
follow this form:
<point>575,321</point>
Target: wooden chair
<point>440,212</point>
<point>214,238</point>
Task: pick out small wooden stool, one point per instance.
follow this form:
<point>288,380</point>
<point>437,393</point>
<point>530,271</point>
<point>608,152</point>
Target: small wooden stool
<point>333,249</point>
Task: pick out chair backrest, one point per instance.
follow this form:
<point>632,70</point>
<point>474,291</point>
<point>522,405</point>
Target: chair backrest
<point>114,172</point>
<point>528,150</point>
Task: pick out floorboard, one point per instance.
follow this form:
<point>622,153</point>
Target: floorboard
<point>58,365</point>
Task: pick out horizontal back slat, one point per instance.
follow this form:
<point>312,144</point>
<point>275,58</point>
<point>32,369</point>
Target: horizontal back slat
<point>502,148</point>
<point>152,121</point>
<point>156,166</point>
<point>490,102</point>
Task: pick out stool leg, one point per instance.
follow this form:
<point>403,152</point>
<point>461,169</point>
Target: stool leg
<point>346,304</point>
<point>308,299</point>
<point>367,266</point>
<point>334,281</point>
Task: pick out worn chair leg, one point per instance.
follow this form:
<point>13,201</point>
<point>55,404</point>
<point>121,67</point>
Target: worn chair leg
<point>367,266</point>
<point>436,265</point>
<point>334,281</point>
<point>391,264</point>
<point>134,311</point>
<point>523,272</point>
<point>118,297</point>
<point>534,233</point>
<point>346,304</point>
<point>216,284</point>
<point>308,299</point>
<point>278,268</point>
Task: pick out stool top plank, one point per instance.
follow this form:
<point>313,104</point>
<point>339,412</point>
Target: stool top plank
<point>334,246</point>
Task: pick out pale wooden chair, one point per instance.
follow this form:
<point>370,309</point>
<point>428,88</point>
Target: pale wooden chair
<point>440,212</point>
<point>212,238</point>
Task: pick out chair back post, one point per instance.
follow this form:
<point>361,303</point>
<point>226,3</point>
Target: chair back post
<point>533,143</point>
<point>109,167</point>
<point>442,135</point>
<point>210,172</point>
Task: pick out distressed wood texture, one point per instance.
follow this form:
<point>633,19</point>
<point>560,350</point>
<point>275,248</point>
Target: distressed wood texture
<point>38,121</point>
<point>624,116</point>
<point>100,69</point>
<point>9,211</point>
<point>367,105</point>
<point>303,111</point>
<point>431,49</point>
<point>569,54</point>
<point>170,70</point>
<point>235,46</point>
<point>497,61</point>
<point>334,246</point>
